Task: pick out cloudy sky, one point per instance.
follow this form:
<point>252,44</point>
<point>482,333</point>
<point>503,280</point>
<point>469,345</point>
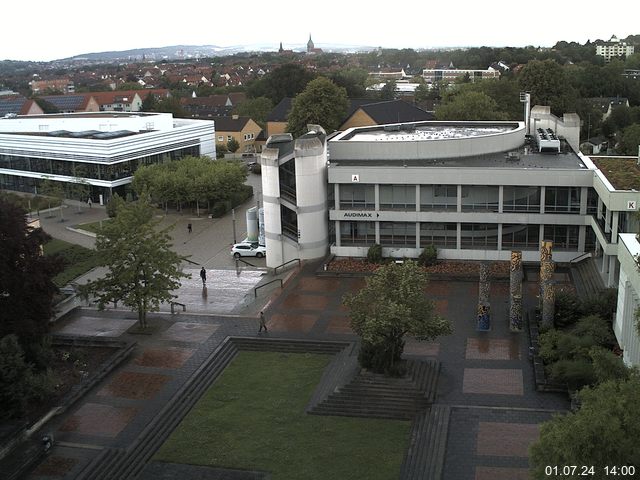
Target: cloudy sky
<point>50,30</point>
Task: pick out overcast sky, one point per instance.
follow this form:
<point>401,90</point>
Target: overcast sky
<point>44,30</point>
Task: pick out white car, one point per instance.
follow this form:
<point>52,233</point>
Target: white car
<point>248,250</point>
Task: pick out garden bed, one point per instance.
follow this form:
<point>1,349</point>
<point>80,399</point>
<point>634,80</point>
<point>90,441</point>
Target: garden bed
<point>444,269</point>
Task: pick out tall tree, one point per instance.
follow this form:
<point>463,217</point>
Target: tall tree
<point>285,81</point>
<point>630,140</point>
<point>388,91</point>
<point>469,105</point>
<point>321,103</point>
<point>548,84</point>
<point>26,286</point>
<point>255,108</point>
<point>143,269</point>
<point>391,305</point>
<point>604,432</point>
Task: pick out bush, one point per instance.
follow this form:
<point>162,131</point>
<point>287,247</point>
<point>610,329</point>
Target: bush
<point>596,329</point>
<point>219,209</point>
<point>608,366</point>
<point>576,373</point>
<point>245,193</point>
<point>428,256</point>
<point>604,305</point>
<point>113,204</point>
<point>383,357</point>
<point>374,254</point>
<point>568,309</point>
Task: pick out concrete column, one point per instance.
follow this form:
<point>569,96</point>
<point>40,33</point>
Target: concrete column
<point>458,236</point>
<point>604,263</point>
<point>607,222</point>
<point>418,235</point>
<point>376,190</point>
<point>584,193</point>
<point>599,214</point>
<point>500,198</point>
<point>338,239</point>
<point>611,278</point>
<point>614,226</point>
<point>499,236</point>
<point>542,198</point>
<point>417,198</point>
<point>582,237</point>
<point>459,199</point>
<point>378,233</point>
<point>336,195</point>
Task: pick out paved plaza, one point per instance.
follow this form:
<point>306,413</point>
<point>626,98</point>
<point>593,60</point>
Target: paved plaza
<point>486,378</point>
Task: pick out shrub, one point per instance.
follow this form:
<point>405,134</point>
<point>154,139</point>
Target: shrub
<point>428,256</point>
<point>374,254</point>
<point>576,373</point>
<point>607,365</point>
<point>219,209</point>
<point>383,357</point>
<point>595,328</point>
<point>113,204</point>
<point>604,305</point>
<point>568,309</point>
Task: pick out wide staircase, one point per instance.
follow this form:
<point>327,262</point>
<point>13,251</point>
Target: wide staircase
<point>587,278</point>
<point>378,396</point>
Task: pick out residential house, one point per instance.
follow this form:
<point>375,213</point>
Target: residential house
<point>244,130</point>
<point>379,113</point>
<point>614,48</point>
<point>63,85</point>
<point>18,105</point>
<point>213,105</point>
<point>73,103</point>
<point>607,104</point>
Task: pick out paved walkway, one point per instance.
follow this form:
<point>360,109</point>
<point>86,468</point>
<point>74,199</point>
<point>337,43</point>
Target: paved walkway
<point>486,377</point>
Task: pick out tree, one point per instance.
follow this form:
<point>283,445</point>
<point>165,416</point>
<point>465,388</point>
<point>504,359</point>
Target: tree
<point>233,145</point>
<point>321,103</point>
<point>255,108</point>
<point>630,141</point>
<point>388,91</point>
<point>54,190</point>
<point>603,432</point>
<point>469,105</point>
<point>548,84</point>
<point>143,270</point>
<point>26,286</point>
<point>391,305</point>
<point>353,80</point>
<point>285,81</point>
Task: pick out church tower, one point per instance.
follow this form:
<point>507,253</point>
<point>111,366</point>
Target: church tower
<point>310,45</point>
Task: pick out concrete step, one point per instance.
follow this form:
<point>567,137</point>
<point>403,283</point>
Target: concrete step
<point>424,459</point>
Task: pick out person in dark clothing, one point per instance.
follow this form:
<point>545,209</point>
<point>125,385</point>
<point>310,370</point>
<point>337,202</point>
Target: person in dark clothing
<point>203,276</point>
<point>189,228</point>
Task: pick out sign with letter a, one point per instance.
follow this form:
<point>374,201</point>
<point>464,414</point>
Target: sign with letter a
<point>355,178</point>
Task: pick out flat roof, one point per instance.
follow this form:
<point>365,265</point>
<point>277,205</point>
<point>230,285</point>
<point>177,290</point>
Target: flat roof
<point>104,114</point>
<point>622,172</point>
<point>526,157</point>
<point>426,131</point>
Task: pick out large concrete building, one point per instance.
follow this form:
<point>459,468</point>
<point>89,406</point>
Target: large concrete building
<point>614,48</point>
<point>102,149</point>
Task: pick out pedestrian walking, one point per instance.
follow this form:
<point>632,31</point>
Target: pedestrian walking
<point>189,228</point>
<point>89,202</point>
<point>263,323</point>
<point>203,276</point>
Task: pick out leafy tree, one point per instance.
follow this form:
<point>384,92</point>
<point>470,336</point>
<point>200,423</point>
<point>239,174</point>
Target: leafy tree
<point>630,141</point>
<point>143,270</point>
<point>221,149</point>
<point>285,81</point>
<point>322,102</point>
<point>255,108</point>
<point>469,106</point>
<point>548,84</point>
<point>54,190</point>
<point>354,81</point>
<point>233,145</point>
<point>604,431</point>
<point>388,91</point>
<point>150,103</point>
<point>114,204</point>
<point>391,305</point>
<point>26,286</point>
<point>422,93</point>
<point>18,382</point>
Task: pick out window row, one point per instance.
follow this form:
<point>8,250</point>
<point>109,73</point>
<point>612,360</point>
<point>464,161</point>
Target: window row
<point>475,236</point>
<point>472,198</point>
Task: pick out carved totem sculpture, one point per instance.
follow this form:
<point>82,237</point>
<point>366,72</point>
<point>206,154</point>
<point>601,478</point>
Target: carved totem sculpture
<point>515,291</point>
<point>483,321</point>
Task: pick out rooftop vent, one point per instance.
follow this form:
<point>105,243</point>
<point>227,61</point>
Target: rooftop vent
<point>547,140</point>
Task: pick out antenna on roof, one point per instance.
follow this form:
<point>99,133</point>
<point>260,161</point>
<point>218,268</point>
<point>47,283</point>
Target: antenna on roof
<point>525,97</point>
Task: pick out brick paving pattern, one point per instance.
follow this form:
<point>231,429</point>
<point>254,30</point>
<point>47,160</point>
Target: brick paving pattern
<point>55,466</point>
<point>98,419</point>
<point>497,381</point>
<point>189,332</point>
<point>493,349</point>
<point>169,357</point>
<point>134,385</point>
<point>506,439</point>
<point>416,347</point>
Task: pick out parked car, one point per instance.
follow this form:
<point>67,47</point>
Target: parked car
<point>245,249</point>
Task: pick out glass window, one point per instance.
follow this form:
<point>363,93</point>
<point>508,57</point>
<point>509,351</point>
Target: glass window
<point>480,197</point>
<point>521,199</point>
<point>398,234</point>
<point>357,233</point>
<point>438,197</point>
<point>562,200</point>
<point>357,197</point>
<point>521,237</point>
<point>398,197</point>
<point>479,235</point>
<point>289,221</point>
<point>564,237</point>
<point>439,234</point>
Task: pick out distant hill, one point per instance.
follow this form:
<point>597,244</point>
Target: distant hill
<point>198,51</point>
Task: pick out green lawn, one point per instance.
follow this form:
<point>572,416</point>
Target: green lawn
<point>78,260</point>
<point>93,226</point>
<point>253,418</point>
